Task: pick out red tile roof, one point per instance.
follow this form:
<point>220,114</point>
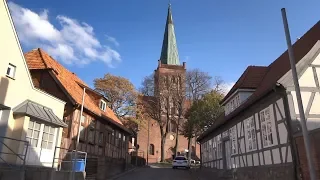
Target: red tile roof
<point>250,79</point>
<point>39,59</point>
<point>276,70</point>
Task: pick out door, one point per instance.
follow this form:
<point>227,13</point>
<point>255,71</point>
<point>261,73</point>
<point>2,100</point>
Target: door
<point>227,151</point>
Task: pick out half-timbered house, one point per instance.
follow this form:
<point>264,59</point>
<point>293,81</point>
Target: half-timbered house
<point>259,134</point>
<point>102,134</point>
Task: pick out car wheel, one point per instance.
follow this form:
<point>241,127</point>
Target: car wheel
<point>173,167</point>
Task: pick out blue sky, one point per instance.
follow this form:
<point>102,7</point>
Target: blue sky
<point>123,37</point>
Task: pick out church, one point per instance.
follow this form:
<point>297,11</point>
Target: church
<point>169,69</point>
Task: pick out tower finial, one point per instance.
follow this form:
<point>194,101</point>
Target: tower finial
<point>169,52</point>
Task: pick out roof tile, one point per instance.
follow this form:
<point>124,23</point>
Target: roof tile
<point>250,79</point>
<point>39,59</point>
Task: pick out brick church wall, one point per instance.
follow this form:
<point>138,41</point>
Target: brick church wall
<point>155,139</point>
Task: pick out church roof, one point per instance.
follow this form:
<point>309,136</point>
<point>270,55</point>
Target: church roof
<point>169,52</point>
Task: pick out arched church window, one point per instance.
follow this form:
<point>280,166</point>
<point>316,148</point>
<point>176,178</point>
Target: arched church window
<point>151,149</point>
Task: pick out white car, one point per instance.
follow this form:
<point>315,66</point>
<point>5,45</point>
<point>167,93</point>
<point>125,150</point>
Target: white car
<point>180,161</point>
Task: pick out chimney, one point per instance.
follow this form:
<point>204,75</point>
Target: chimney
<point>159,63</point>
<point>184,65</point>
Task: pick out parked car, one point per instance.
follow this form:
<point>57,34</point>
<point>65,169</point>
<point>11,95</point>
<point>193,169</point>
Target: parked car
<point>180,161</point>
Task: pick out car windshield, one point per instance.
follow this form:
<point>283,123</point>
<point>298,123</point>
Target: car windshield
<point>180,158</point>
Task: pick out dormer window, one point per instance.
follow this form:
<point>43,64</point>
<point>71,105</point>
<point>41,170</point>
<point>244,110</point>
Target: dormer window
<point>103,105</point>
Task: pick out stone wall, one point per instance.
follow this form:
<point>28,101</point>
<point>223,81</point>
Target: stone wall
<point>275,172</point>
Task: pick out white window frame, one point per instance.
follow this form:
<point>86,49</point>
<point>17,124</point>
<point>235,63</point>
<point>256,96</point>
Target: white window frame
<point>251,135</point>
<point>234,140</point>
<point>40,136</point>
<point>267,133</point>
<point>12,70</point>
<point>103,105</point>
<point>50,132</point>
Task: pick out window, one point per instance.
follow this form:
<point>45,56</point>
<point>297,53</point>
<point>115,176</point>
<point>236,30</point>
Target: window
<point>103,105</point>
<point>33,133</point>
<point>266,127</point>
<point>219,146</point>
<point>251,134</point>
<point>47,137</point>
<point>151,149</point>
<point>40,135</point>
<point>11,70</point>
<point>233,138</point>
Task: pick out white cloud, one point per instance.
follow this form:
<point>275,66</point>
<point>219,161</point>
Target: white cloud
<point>73,42</point>
<point>113,40</point>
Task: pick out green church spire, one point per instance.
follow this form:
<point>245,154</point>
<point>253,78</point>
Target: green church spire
<point>169,52</point>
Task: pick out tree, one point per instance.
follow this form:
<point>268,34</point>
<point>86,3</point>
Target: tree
<point>147,87</point>
<point>198,83</point>
<point>180,105</point>
<point>120,92</point>
<point>159,107</point>
<point>202,114</point>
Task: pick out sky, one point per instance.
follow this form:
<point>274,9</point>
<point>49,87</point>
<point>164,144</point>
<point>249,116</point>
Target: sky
<point>124,37</point>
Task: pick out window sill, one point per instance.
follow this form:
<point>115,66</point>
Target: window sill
<point>10,77</point>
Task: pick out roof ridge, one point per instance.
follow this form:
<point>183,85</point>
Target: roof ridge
<point>44,62</point>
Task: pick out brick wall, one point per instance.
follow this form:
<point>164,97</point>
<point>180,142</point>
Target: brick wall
<point>315,150</point>
<point>155,139</point>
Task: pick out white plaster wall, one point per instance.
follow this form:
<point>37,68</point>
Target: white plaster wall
<point>261,158</point>
<point>276,156</point>
<point>11,89</point>
<point>267,157</point>
<point>307,80</point>
<point>250,160</point>
<point>14,91</point>
<point>255,159</point>
<point>283,133</point>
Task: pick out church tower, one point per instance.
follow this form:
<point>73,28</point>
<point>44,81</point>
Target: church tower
<point>169,73</point>
<point>169,64</point>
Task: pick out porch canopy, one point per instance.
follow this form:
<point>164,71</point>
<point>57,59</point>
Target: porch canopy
<point>42,113</point>
<point>3,107</point>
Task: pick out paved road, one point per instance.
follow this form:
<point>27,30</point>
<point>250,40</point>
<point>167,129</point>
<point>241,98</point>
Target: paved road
<point>154,173</point>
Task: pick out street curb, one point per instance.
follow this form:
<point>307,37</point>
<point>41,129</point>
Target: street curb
<point>122,174</point>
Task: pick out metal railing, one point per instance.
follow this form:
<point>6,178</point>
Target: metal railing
<point>11,152</point>
<point>67,158</point>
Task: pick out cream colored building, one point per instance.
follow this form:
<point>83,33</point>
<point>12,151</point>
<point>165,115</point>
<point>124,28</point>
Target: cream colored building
<point>26,113</point>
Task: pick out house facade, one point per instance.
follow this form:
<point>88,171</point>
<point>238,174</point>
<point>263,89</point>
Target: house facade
<point>31,120</point>
<point>169,73</point>
<point>259,134</point>
<point>102,135</point>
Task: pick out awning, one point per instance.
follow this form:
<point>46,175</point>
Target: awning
<point>3,107</point>
<point>35,110</point>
